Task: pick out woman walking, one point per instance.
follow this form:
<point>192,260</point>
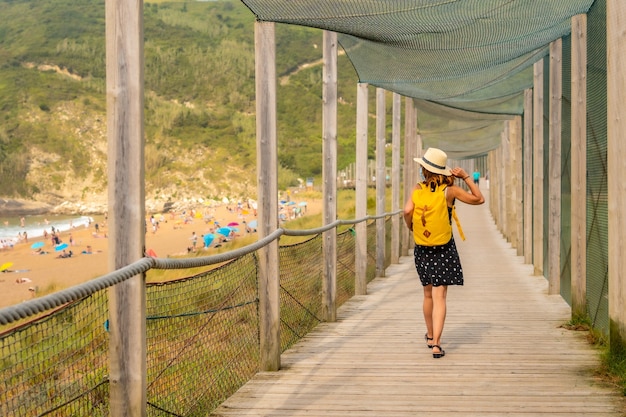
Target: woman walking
<point>428,214</point>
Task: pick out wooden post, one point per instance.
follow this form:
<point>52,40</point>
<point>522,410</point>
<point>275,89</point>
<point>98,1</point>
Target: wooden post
<point>505,181</point>
<point>417,149</point>
<point>408,178</point>
<point>579,167</point>
<point>360,287</point>
<point>381,180</point>
<point>512,192</point>
<point>493,185</point>
<point>396,221</point>
<point>329,168</point>
<point>495,181</point>
<point>528,175</point>
<point>267,172</point>
<point>538,168</point>
<point>517,183</point>
<point>554,185</point>
<point>616,154</point>
<point>126,205</point>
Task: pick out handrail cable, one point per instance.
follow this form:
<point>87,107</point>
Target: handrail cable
<point>39,305</point>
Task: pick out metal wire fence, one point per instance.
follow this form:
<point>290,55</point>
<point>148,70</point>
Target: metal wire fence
<point>202,332</point>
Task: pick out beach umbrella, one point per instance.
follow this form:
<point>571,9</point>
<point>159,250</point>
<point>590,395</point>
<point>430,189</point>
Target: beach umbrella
<point>290,203</point>
<point>208,239</point>
<point>60,246</point>
<point>37,245</point>
<point>302,203</point>
<point>6,266</point>
<point>233,224</point>
<point>225,231</point>
<point>253,224</point>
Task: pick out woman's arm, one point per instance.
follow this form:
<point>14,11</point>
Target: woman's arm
<point>474,197</point>
<point>408,213</point>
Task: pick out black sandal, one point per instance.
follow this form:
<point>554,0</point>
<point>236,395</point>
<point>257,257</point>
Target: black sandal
<point>439,354</point>
<point>427,339</point>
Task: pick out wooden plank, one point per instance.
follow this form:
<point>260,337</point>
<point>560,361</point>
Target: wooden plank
<point>506,352</point>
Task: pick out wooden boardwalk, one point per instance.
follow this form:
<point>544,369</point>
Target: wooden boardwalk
<point>506,354</point>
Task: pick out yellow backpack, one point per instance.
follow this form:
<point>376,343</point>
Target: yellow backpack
<point>431,221</point>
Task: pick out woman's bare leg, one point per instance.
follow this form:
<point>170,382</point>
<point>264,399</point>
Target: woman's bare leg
<point>438,313</point>
<point>428,310</point>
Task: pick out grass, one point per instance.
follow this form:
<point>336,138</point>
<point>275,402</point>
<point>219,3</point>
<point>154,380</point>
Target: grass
<point>612,368</point>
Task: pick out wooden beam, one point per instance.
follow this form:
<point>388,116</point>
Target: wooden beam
<point>516,124</point>
<point>538,168</point>
<point>126,204</point>
<point>511,214</point>
<point>528,175</point>
<point>491,157</point>
<point>360,286</point>
<point>616,155</point>
<point>418,147</point>
<point>267,172</point>
<point>554,158</point>
<point>381,180</point>
<point>396,203</point>
<point>579,167</point>
<point>505,181</point>
<point>408,177</point>
<point>329,174</point>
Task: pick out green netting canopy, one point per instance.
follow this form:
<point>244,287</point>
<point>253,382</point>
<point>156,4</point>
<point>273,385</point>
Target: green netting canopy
<point>474,55</point>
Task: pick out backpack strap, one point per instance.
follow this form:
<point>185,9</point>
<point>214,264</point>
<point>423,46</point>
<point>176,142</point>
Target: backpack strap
<point>458,223</point>
<point>455,217</point>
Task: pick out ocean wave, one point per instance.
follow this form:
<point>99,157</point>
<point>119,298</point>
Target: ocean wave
<point>11,229</point>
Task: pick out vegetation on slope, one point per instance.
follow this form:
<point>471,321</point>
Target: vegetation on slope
<point>199,100</point>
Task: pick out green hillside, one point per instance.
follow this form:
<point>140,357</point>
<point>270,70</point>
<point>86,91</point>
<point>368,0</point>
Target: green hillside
<point>199,100</point>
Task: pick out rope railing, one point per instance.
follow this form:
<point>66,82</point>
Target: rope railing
<point>202,331</point>
<point>39,305</point>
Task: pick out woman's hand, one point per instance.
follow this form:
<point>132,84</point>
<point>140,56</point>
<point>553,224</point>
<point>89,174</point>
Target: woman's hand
<point>459,172</point>
<point>474,197</point>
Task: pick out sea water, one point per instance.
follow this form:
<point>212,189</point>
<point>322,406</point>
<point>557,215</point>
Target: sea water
<point>11,227</point>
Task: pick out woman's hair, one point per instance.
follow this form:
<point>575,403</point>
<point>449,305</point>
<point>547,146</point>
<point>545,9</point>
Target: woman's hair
<point>433,180</point>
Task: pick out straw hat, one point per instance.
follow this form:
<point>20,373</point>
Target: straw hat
<point>434,160</point>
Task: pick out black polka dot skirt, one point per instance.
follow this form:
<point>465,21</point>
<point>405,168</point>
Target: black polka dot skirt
<point>438,265</point>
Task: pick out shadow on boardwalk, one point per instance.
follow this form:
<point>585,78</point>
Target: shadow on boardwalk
<point>506,353</point>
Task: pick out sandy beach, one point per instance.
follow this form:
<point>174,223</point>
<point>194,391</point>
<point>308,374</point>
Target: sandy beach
<point>33,274</point>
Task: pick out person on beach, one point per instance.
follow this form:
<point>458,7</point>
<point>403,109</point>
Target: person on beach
<point>65,254</point>
<point>428,214</point>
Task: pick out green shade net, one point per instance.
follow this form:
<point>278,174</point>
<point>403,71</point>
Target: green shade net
<point>463,134</point>
<point>474,55</point>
